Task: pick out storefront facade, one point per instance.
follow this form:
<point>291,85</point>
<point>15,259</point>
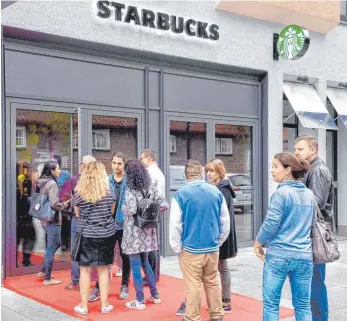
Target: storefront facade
<point>96,78</point>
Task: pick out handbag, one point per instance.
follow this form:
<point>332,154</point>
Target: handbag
<point>75,252</point>
<point>148,210</point>
<point>324,244</point>
<point>40,207</point>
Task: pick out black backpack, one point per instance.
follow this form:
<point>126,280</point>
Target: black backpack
<point>148,210</point>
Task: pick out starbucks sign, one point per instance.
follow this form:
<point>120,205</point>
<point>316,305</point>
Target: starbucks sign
<point>293,42</point>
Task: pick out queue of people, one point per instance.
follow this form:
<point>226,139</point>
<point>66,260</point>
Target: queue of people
<point>106,213</point>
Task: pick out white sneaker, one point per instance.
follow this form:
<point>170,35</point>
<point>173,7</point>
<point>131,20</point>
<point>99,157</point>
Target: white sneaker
<point>51,282</point>
<point>107,309</point>
<point>78,309</point>
<point>135,305</point>
<point>41,275</point>
<point>154,299</point>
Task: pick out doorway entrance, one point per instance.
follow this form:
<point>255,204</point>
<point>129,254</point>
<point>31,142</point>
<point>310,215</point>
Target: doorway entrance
<point>39,133</point>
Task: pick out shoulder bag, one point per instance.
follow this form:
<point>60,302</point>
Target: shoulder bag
<point>324,244</point>
<point>75,252</point>
<point>40,207</point>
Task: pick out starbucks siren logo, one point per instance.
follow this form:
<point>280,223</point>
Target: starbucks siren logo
<point>293,42</point>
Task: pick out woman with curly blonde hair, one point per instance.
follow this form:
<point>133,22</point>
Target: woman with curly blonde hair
<point>94,206</point>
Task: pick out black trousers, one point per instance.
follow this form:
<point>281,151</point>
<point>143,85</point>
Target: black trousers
<point>154,262</point>
<point>125,259</point>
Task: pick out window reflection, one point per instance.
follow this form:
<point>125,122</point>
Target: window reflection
<point>42,136</point>
<point>233,145</point>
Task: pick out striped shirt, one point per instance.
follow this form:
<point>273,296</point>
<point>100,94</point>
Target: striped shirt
<point>99,216</point>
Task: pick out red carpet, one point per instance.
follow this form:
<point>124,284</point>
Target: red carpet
<point>171,290</point>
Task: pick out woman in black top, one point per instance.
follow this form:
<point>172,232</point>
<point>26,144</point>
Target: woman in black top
<point>95,205</point>
<point>216,174</point>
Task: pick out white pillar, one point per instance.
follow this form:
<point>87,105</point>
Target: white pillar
<point>321,87</point>
<point>275,121</point>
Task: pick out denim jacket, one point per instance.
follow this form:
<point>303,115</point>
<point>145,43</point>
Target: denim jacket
<point>119,212</point>
<point>288,223</point>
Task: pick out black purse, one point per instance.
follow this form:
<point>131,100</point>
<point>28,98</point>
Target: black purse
<point>75,252</point>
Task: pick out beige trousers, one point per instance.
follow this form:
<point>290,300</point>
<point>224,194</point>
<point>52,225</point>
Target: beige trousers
<point>201,269</point>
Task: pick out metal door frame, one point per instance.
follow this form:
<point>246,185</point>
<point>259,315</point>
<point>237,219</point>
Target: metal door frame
<point>211,121</point>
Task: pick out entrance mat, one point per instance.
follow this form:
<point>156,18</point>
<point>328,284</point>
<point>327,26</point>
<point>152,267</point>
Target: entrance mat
<point>170,288</point>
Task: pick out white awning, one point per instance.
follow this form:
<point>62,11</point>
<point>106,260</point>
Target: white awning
<point>338,98</point>
<point>308,106</point>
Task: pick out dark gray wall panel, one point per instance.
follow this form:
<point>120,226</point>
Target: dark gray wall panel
<point>210,95</point>
<point>154,89</point>
<point>71,80</point>
<point>154,141</point>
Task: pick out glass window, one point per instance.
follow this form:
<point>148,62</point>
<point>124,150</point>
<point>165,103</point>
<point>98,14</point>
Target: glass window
<point>289,116</point>
<point>289,136</point>
<point>234,144</point>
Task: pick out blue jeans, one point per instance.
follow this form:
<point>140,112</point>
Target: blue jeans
<point>319,294</point>
<point>276,270</point>
<point>53,233</point>
<point>135,262</point>
<point>75,268</point>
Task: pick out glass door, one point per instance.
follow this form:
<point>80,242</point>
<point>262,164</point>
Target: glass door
<point>39,134</point>
<point>234,146</point>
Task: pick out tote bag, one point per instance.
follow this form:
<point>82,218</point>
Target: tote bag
<point>324,245</point>
<point>40,207</point>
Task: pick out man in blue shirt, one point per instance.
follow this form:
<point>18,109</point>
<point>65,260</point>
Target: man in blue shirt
<point>199,225</point>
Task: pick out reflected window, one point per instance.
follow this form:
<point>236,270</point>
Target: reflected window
<point>21,139</point>
<point>172,144</point>
<point>224,146</point>
<point>101,139</point>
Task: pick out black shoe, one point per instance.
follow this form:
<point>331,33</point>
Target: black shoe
<point>182,309</point>
<point>27,264</point>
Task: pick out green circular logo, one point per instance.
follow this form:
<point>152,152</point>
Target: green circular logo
<point>293,42</point>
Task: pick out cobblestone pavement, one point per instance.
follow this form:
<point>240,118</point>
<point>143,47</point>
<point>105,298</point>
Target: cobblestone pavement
<point>246,272</point>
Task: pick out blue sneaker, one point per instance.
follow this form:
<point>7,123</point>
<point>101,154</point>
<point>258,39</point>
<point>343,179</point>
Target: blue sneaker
<point>227,308</point>
<point>182,309</point>
<point>95,295</point>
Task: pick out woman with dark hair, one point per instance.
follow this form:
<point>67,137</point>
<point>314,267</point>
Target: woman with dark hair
<point>286,230</point>
<point>47,185</point>
<point>138,240</point>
